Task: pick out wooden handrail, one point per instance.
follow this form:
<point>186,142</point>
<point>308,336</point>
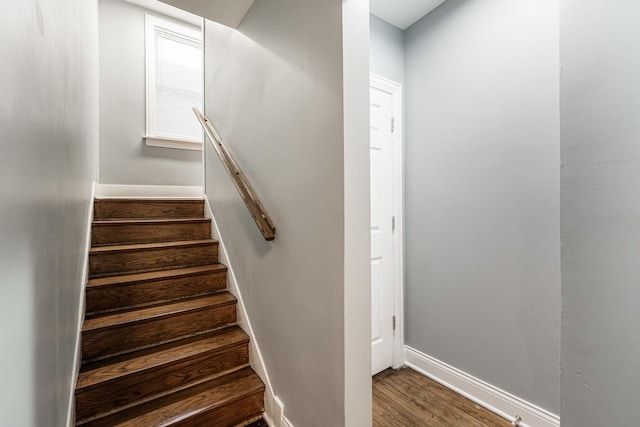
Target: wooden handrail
<point>241,182</point>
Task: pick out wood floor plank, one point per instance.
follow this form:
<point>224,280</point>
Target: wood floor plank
<point>408,398</point>
<point>444,406</point>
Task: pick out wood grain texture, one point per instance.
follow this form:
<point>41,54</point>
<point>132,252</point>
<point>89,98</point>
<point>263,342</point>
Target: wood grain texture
<point>160,344</point>
<point>129,382</point>
<point>122,291</point>
<point>125,332</point>
<point>148,231</point>
<point>239,179</point>
<point>125,259</point>
<point>106,209</point>
<point>408,398</point>
<point>222,402</point>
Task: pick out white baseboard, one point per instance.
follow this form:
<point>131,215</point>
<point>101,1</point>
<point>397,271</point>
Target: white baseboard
<point>115,191</point>
<point>273,406</point>
<point>284,423</point>
<point>494,399</point>
<point>71,418</point>
<point>267,420</point>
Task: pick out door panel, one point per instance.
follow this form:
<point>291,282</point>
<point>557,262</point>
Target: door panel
<point>381,159</point>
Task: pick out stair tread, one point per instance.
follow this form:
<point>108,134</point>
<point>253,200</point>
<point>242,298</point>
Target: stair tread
<point>173,353</point>
<point>218,299</point>
<point>151,221</point>
<point>174,408</point>
<point>155,275</point>
<point>155,245</point>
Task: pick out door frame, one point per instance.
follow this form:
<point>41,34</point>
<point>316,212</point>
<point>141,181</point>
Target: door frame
<point>395,90</point>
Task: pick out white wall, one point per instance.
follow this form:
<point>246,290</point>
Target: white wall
<point>279,103</point>
<point>387,50</point>
<point>600,112</point>
<point>124,157</point>
<point>482,192</point>
<point>48,159</point>
<point>357,229</point>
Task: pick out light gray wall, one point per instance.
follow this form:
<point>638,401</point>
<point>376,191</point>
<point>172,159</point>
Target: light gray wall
<point>482,192</point>
<point>387,50</point>
<point>48,159</point>
<point>279,104</point>
<point>600,112</point>
<point>124,158</point>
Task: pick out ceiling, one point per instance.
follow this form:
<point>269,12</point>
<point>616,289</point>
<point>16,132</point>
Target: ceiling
<point>402,13</point>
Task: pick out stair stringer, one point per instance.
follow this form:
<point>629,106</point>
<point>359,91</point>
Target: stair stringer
<point>77,362</point>
<point>273,412</point>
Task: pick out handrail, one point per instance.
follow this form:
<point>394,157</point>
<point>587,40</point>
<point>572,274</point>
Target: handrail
<point>241,182</point>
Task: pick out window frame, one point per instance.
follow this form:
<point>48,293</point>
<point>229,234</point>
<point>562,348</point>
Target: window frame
<point>151,138</point>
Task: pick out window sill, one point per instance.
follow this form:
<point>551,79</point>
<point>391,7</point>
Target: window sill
<point>152,141</point>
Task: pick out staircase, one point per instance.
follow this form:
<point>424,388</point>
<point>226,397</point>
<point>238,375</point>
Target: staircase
<point>160,343</point>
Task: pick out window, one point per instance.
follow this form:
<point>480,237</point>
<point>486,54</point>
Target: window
<point>174,84</point>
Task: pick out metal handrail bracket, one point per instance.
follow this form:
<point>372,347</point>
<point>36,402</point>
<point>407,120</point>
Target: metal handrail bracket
<point>248,195</point>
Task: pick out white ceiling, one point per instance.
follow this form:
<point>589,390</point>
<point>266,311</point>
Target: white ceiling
<point>402,13</point>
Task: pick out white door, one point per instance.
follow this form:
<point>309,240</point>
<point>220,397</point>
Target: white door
<point>381,157</point>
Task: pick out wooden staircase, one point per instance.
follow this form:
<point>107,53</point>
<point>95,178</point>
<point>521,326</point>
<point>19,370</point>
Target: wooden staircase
<point>160,343</point>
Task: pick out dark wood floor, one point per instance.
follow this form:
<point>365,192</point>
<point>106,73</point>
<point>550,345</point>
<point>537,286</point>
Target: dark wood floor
<point>407,398</point>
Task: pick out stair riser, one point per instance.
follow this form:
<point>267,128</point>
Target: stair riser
<point>109,234</point>
<point>147,209</point>
<point>110,263</point>
<point>142,385</point>
<point>125,338</point>
<point>137,293</point>
<point>229,415</point>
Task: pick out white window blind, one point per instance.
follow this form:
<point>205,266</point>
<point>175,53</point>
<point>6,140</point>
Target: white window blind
<point>174,81</point>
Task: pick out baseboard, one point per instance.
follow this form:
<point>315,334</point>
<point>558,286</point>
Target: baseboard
<point>71,418</point>
<point>115,191</point>
<point>494,399</point>
<point>267,420</point>
<point>284,423</point>
<point>273,406</point>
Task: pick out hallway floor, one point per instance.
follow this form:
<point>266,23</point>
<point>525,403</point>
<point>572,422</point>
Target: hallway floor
<point>407,398</point>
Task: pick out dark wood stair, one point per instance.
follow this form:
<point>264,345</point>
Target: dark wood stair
<point>138,289</point>
<point>113,260</point>
<point>148,230</point>
<point>160,341</point>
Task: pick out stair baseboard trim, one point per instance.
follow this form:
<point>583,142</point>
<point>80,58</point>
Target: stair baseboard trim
<point>71,419</point>
<point>113,191</point>
<point>255,355</point>
<point>267,420</point>
<point>284,421</point>
<point>490,397</point>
